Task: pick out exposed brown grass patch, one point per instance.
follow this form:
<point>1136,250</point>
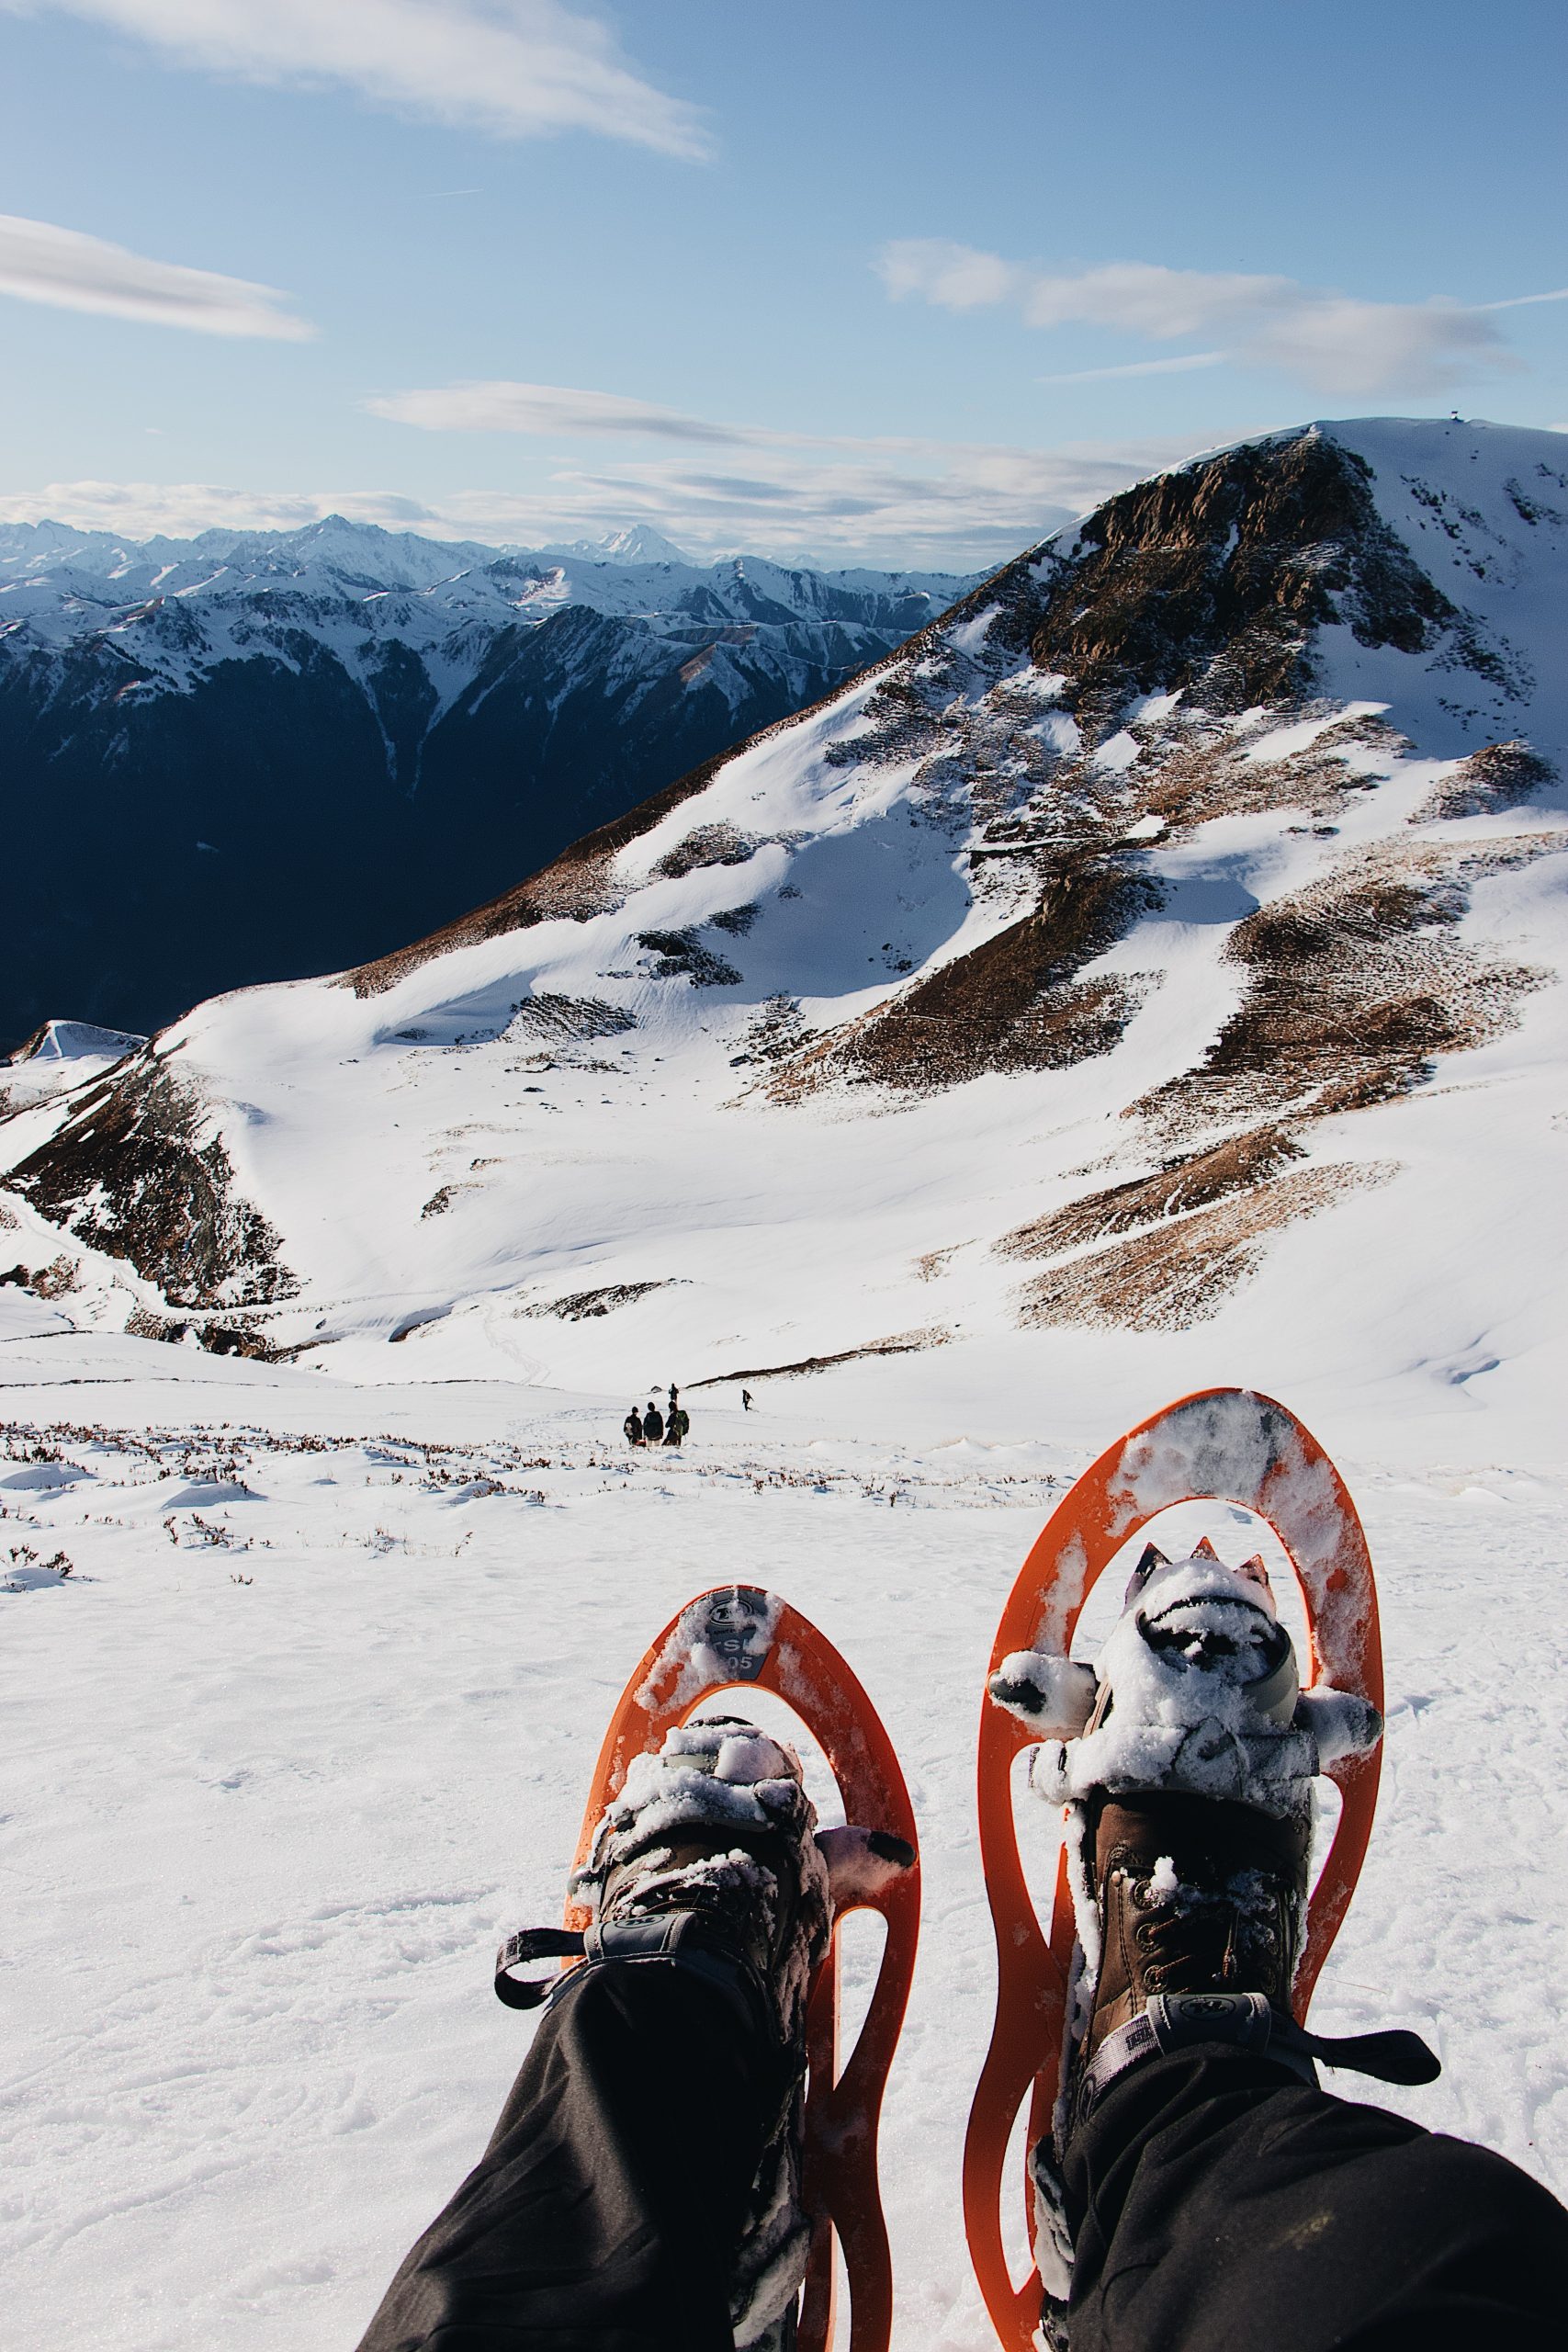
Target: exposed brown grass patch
<point>1203,775</point>
<point>583,1306</point>
<point>719,844</point>
<point>1195,1181</point>
<point>1009,1004</point>
<point>566,1020</point>
<point>1500,775</point>
<point>1181,1274</point>
<point>1356,984</point>
<point>902,1343</point>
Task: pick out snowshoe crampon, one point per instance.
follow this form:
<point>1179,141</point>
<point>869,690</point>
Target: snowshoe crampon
<point>740,1636</point>
<point>1234,1447</point>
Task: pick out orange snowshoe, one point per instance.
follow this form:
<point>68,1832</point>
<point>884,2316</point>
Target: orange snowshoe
<point>1227,1444</point>
<point>734,1638</point>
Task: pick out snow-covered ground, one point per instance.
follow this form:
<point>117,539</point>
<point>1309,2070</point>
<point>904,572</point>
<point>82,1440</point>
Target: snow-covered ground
<point>310,1722</point>
<point>600,1137</point>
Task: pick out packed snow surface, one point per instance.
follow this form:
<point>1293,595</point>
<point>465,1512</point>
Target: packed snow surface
<point>286,1761</point>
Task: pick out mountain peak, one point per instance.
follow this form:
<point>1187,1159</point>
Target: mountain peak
<point>640,543</point>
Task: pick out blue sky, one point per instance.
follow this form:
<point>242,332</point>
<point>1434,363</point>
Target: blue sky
<point>895,283</point>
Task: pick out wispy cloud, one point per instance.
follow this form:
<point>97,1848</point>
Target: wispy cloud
<point>561,411</point>
<point>1138,367</point>
<point>1525,301</point>
<point>966,507</point>
<point>890,498</point>
<point>553,409</point>
<point>42,263</point>
<point>516,68</point>
<point>1330,340</point>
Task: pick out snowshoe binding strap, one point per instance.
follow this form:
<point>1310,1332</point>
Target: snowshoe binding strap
<point>680,1938</point>
<point>526,1948</point>
<point>1173,2021</point>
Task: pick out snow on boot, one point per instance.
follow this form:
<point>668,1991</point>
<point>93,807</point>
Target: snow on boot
<point>1187,1762</point>
<point>709,1858</point>
<point>716,1829</point>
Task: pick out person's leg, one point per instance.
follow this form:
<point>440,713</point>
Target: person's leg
<point>642,2192</point>
<point>1218,2200</point>
<point>604,2213</point>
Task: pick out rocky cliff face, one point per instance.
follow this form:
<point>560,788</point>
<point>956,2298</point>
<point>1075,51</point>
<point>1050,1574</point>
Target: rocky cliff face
<point>1168,940</point>
<point>244,758</point>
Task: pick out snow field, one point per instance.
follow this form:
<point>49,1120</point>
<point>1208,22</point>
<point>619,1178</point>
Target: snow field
<point>311,1722</point>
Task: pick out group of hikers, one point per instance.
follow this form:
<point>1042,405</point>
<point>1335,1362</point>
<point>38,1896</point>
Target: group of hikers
<point>654,1427</point>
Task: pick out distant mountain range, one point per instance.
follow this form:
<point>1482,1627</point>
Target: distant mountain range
<point>253,755</point>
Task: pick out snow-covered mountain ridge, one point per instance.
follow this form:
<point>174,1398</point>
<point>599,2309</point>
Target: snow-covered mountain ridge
<point>283,751</point>
<point>1191,893</point>
<point>181,605</point>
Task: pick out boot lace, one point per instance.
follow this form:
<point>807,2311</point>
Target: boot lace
<point>1190,1939</point>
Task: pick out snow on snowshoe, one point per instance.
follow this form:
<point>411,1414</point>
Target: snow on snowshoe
<point>1196,1689</point>
<point>700,1847</point>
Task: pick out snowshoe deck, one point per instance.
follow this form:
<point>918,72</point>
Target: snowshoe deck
<point>1232,1445</point>
<point>739,1635</point>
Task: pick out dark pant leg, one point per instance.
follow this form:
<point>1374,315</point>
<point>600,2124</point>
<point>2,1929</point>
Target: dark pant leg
<point>1219,2202</point>
<point>604,2214</point>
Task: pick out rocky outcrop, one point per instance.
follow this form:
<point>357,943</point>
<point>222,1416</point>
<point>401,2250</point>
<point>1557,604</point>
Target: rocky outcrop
<point>137,1172</point>
<point>1214,579</point>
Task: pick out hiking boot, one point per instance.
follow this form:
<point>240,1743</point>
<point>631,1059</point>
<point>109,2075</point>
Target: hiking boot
<point>1191,1794</point>
<point>710,1859</point>
<point>1199,1907</point>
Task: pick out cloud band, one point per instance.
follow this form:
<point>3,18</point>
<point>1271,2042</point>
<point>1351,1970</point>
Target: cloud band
<point>69,271</point>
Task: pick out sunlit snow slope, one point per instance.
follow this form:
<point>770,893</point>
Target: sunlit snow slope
<point>1159,961</point>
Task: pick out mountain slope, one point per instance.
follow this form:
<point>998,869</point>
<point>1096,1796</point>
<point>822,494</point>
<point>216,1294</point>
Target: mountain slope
<point>1164,952</point>
<point>250,755</point>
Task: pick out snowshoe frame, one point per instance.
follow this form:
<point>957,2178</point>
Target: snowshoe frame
<point>1223,1443</point>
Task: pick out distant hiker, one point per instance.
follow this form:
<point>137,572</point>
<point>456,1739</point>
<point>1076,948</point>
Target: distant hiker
<point>678,1423</point>
<point>674,1397</point>
<point>652,1424</point>
<point>633,1427</point>
<point>746,1400</point>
